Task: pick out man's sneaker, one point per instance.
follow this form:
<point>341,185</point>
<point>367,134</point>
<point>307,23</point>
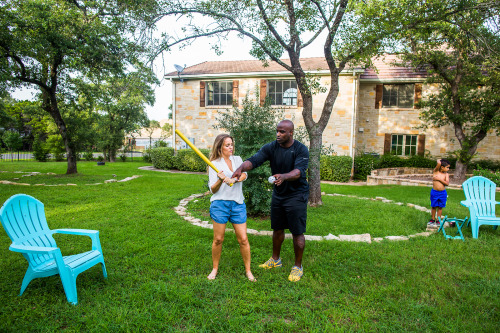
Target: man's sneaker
<point>295,274</point>
<point>271,263</point>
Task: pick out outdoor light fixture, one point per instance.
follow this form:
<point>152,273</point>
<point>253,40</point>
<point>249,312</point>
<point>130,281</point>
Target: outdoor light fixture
<point>179,71</point>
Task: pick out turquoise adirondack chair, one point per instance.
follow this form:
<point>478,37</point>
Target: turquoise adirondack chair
<point>480,194</point>
<point>23,218</point>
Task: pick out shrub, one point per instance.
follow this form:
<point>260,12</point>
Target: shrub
<point>162,158</point>
<point>56,146</point>
<point>146,155</point>
<point>335,168</point>
<point>123,157</point>
<point>88,156</point>
<point>188,160</point>
<point>390,161</point>
<point>40,151</point>
<point>493,176</point>
<point>363,165</point>
<point>417,161</point>
<point>485,164</point>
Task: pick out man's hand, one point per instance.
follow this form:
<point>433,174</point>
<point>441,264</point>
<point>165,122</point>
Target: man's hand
<point>280,178</point>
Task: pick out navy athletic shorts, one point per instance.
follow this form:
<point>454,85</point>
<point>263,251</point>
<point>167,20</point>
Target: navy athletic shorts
<point>438,198</point>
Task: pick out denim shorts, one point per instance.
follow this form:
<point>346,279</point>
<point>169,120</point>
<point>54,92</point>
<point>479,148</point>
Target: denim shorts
<point>222,211</point>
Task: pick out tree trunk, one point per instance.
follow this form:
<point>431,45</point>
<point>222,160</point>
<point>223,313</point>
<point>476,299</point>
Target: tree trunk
<point>316,140</point>
<point>460,171</point>
<point>53,110</point>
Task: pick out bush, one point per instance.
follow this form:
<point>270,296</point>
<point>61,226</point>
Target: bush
<point>188,160</point>
<point>335,168</point>
<point>88,156</point>
<point>146,155</point>
<point>493,176</point>
<point>417,161</point>
<point>485,164</point>
<point>123,157</point>
<point>390,161</point>
<point>363,165</point>
<point>40,150</point>
<point>162,158</point>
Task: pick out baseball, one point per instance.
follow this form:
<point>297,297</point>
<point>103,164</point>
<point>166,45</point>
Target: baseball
<point>271,179</point>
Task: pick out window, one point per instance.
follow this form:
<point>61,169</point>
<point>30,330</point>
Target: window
<point>282,92</point>
<point>398,95</point>
<point>220,93</point>
<point>404,144</point>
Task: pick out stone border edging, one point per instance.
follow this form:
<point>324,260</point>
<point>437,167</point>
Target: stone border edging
<point>181,211</point>
<point>8,182</point>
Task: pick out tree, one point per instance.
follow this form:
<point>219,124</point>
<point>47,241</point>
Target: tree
<point>45,44</point>
<point>152,126</point>
<point>12,140</point>
<point>351,33</point>
<point>120,103</point>
<point>166,131</point>
<point>462,55</point>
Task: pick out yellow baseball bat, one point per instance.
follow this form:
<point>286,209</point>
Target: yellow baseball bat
<point>198,152</point>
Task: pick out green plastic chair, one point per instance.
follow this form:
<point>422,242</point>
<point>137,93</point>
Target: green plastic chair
<point>480,199</point>
<point>23,218</point>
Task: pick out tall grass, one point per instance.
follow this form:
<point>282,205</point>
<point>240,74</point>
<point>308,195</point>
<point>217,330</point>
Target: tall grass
<point>157,264</point>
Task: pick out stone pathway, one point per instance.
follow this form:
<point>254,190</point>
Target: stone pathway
<point>29,174</point>
<point>182,211</point>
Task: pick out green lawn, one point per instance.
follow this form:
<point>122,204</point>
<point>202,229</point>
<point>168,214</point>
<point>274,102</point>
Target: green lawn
<point>157,263</point>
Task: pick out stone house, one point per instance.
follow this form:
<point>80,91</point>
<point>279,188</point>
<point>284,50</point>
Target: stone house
<point>375,110</point>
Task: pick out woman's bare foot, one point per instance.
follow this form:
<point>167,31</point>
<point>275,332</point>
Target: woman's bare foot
<point>212,275</point>
<point>250,276</point>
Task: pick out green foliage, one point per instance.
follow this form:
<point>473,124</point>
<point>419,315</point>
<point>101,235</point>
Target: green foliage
<point>335,168</point>
<point>390,161</point>
<point>12,140</point>
<point>162,158</point>
<point>100,158</point>
<point>40,150</point>
<point>417,161</point>
<point>494,176</point>
<point>146,155</point>
<point>188,160</point>
<point>55,145</point>
<point>363,165</point>
<point>485,164</point>
<point>123,157</point>
<point>252,126</point>
<point>88,156</point>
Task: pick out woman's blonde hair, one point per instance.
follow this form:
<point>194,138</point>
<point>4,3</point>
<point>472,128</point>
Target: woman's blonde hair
<point>216,152</point>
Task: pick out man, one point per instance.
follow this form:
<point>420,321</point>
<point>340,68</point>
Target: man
<point>289,160</point>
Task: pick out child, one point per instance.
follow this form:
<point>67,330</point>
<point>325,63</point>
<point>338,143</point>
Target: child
<point>440,179</point>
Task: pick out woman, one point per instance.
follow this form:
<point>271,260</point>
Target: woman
<point>227,202</point>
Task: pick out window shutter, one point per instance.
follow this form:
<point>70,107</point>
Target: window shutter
<point>235,92</point>
<point>378,96</point>
<point>263,91</point>
<point>421,145</point>
<point>418,94</point>
<point>387,143</point>
<point>202,94</point>
<point>300,103</point>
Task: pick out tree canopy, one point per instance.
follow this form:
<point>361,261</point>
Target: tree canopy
<point>462,55</point>
<point>48,43</point>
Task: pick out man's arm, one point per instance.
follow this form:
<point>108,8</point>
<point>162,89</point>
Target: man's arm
<point>246,166</point>
<point>290,176</point>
